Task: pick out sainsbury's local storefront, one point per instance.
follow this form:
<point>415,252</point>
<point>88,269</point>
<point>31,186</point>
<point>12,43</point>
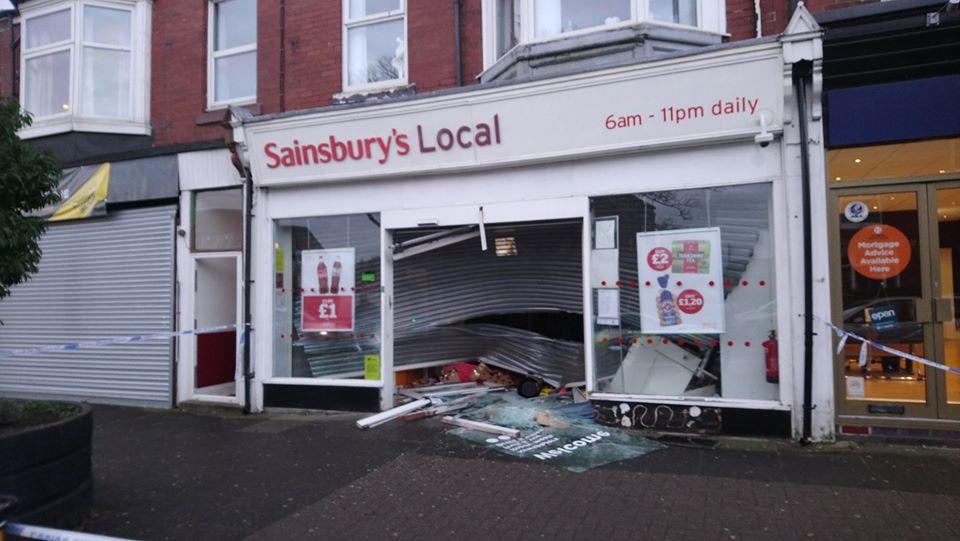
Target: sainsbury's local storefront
<point>636,231</point>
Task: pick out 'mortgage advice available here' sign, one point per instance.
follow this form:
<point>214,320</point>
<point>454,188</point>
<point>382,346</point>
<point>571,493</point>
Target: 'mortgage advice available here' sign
<point>600,113</point>
<point>327,278</point>
<point>681,281</point>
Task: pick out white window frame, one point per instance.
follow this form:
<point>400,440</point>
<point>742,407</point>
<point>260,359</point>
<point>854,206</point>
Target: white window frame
<point>711,17</point>
<point>394,15</point>
<point>138,122</point>
<point>213,55</point>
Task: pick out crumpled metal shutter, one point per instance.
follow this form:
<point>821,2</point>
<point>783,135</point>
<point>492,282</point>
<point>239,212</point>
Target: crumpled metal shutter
<point>99,278</point>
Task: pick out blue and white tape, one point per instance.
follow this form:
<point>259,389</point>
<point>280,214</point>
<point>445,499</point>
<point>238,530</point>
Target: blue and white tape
<point>43,533</point>
<point>845,335</point>
<point>120,340</point>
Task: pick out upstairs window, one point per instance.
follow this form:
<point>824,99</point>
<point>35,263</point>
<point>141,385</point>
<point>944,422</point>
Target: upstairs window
<point>674,11</point>
<point>510,22</point>
<point>232,43</point>
<point>552,17</point>
<point>84,66</point>
<point>375,44</point>
<point>47,52</point>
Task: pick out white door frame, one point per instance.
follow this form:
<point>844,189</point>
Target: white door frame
<point>189,343</point>
<point>518,211</point>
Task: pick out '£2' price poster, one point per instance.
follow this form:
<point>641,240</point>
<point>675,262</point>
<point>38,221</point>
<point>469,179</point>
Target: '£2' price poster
<point>327,278</point>
<point>680,277</point>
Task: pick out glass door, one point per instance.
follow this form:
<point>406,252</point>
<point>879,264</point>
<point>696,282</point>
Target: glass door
<point>944,200</point>
<point>883,292</point>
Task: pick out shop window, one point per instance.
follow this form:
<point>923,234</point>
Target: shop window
<point>683,293</point>
<point>232,46</point>
<point>509,22</point>
<point>218,220</point>
<point>84,67</point>
<point>375,48</point>
<point>327,297</point>
<point>920,158</point>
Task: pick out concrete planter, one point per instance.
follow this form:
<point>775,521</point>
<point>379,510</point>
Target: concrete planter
<point>48,470</point>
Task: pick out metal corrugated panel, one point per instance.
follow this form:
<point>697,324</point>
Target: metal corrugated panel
<point>99,278</point>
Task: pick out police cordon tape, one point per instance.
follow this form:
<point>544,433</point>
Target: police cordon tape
<point>43,533</point>
<point>120,340</point>
<point>865,343</point>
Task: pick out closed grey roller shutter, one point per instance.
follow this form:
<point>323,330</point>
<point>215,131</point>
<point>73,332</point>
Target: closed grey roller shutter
<point>99,278</point>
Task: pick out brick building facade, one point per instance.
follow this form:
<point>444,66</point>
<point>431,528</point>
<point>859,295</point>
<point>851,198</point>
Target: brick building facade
<point>299,56</point>
<point>149,86</point>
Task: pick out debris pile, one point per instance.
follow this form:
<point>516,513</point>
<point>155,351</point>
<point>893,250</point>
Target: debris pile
<point>556,428</point>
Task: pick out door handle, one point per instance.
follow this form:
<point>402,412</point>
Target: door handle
<point>943,309</point>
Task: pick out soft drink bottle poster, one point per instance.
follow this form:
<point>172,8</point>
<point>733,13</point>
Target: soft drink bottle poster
<point>327,280</point>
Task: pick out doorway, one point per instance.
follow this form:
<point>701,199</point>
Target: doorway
<point>495,291</point>
<point>216,306</point>
<point>896,269</point>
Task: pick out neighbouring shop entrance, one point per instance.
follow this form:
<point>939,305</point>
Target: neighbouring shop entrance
<point>217,295</point>
<point>896,269</point>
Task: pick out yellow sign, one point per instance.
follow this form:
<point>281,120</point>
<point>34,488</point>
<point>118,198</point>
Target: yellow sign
<point>371,367</point>
<point>81,204</point>
<point>278,260</point>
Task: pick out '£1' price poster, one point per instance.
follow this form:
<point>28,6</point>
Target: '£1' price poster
<point>681,281</point>
<point>327,278</point>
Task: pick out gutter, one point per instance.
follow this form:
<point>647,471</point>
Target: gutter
<point>239,158</point>
<point>802,76</point>
<point>458,63</point>
<point>248,374</point>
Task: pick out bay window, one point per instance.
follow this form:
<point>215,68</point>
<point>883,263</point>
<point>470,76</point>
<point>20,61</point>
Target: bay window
<point>509,22</point>
<point>552,17</point>
<point>375,44</point>
<point>232,46</point>
<point>85,66</point>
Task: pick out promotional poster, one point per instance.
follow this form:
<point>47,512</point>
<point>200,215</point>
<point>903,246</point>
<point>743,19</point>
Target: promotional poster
<point>327,278</point>
<point>681,281</point>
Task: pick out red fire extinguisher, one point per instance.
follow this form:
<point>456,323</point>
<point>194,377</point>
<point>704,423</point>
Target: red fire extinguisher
<point>771,363</point>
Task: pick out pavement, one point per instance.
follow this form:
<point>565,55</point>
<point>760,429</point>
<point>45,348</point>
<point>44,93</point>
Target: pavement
<point>220,475</point>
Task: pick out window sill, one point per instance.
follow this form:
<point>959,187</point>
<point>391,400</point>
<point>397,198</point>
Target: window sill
<point>42,128</point>
<point>220,114</point>
<point>365,94</point>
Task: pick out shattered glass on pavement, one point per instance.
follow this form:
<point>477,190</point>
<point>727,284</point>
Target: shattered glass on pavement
<point>570,439</point>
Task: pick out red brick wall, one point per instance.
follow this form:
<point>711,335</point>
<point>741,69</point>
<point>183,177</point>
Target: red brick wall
<point>471,36</point>
<point>741,19</point>
<point>179,73</point>
<point>313,50</point>
<point>430,50</point>
<point>776,13</point>
<point>6,66</point>
<point>268,54</point>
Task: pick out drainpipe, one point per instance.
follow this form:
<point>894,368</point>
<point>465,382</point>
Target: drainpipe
<point>14,42</point>
<point>283,56</point>
<point>248,374</point>
<point>458,64</point>
<point>232,124</point>
<point>802,73</point>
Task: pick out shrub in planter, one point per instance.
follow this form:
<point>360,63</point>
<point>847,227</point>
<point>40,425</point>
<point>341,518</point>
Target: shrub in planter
<point>46,461</point>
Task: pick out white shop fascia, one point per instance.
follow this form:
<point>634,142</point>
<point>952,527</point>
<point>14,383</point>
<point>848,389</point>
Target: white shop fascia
<point>721,117</point>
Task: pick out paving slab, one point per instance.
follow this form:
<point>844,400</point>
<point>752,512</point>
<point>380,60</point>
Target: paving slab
<point>214,475</point>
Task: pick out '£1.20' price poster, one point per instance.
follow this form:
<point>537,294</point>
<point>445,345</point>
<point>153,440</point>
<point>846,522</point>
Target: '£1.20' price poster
<point>327,278</point>
<point>681,281</point>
